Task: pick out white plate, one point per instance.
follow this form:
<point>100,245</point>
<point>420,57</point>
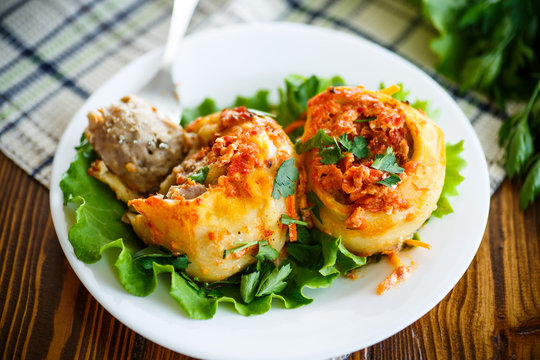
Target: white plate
<point>348,316</point>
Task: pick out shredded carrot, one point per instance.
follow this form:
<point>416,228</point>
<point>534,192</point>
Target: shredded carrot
<point>399,274</point>
<point>291,211</point>
<point>292,232</point>
<point>394,258</point>
<point>240,253</point>
<point>293,126</point>
<point>412,242</point>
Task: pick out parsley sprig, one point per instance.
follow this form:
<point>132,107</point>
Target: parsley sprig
<point>493,46</point>
<point>330,153</point>
<point>357,146</point>
<point>241,246</point>
<point>200,175</point>
<point>287,220</point>
<point>285,180</point>
<point>266,278</point>
<point>387,162</point>
<point>319,141</point>
<point>330,148</point>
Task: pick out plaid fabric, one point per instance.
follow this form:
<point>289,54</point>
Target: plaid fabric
<point>54,53</point>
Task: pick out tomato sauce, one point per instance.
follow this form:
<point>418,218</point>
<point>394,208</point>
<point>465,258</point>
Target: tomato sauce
<point>352,181</point>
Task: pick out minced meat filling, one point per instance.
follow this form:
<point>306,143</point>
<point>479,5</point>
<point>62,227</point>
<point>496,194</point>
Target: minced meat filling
<point>136,143</point>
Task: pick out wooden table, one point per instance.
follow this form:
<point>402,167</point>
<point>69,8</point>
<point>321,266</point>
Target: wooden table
<point>493,312</point>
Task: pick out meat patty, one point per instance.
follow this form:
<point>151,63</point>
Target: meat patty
<point>136,143</point>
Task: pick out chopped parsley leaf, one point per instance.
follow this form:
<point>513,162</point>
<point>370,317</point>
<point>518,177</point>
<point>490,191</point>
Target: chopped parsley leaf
<point>330,155</point>
<point>200,176</point>
<point>365,120</point>
<point>390,181</point>
<point>266,252</point>
<point>358,146</point>
<point>345,142</point>
<point>284,183</point>
<point>287,220</point>
<point>387,162</point>
<point>273,282</point>
<point>319,140</point>
<point>248,286</point>
<point>241,246</point>
<point>329,149</point>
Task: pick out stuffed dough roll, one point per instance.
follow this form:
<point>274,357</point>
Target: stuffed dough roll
<point>219,197</point>
<point>388,176</point>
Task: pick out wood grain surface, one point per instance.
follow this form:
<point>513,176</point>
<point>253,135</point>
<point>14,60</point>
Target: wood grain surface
<point>492,313</point>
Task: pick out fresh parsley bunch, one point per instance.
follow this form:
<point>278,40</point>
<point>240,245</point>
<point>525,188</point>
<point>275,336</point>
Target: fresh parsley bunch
<point>488,45</point>
<point>520,135</point>
<point>494,46</point>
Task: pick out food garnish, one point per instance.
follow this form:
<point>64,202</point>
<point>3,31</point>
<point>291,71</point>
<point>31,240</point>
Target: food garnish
<point>285,180</point>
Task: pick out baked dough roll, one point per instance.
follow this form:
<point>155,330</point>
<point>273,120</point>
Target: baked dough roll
<point>377,197</point>
<point>219,197</point>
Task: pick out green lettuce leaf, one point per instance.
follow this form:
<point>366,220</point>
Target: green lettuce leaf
<point>294,97</point>
<point>259,101</point>
<point>454,164</point>
<point>98,212</point>
<point>424,105</point>
<point>207,107</point>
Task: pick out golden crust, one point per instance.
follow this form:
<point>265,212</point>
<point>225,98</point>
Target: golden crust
<point>237,206</point>
<point>419,188</point>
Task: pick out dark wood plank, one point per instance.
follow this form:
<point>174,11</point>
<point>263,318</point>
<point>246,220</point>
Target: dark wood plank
<point>493,312</point>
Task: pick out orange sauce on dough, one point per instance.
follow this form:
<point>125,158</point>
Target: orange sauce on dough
<point>352,181</point>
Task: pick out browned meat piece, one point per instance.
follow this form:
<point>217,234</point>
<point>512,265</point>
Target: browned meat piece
<point>136,143</point>
<point>187,191</point>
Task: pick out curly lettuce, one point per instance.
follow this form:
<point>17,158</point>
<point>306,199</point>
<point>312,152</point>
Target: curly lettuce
<point>454,164</point>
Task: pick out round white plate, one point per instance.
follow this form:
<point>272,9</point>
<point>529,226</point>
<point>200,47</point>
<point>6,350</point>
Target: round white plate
<point>348,316</point>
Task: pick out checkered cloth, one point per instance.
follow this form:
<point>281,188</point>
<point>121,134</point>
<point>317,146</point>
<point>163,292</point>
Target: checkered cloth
<point>55,53</point>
